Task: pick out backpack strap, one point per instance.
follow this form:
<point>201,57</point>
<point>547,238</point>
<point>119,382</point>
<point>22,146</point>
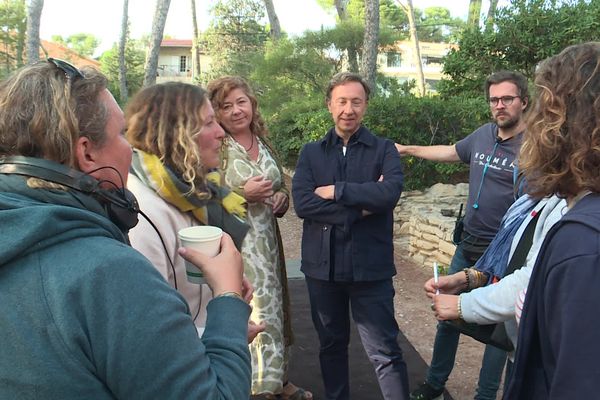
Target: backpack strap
<point>520,255</point>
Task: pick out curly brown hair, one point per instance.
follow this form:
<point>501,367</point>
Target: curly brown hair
<point>561,149</point>
<point>44,112</point>
<point>162,120</point>
<point>221,87</point>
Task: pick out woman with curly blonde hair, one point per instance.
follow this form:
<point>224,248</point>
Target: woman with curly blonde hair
<point>557,354</point>
<point>177,142</point>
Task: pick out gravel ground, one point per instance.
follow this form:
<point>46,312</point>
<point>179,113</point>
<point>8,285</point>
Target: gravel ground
<point>413,314</point>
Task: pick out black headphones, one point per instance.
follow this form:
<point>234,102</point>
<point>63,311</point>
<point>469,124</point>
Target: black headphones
<point>120,204</point>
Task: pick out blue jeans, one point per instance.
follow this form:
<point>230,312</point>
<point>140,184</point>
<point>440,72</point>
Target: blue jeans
<point>446,344</point>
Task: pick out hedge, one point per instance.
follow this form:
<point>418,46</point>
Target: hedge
<point>403,119</point>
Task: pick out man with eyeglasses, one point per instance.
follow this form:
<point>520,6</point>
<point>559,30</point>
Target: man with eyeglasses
<point>491,152</point>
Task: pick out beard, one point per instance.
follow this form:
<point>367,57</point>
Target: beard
<point>507,123</point>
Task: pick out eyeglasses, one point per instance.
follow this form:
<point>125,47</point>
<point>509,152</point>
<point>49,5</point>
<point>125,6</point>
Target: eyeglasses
<point>71,72</point>
<point>506,100</point>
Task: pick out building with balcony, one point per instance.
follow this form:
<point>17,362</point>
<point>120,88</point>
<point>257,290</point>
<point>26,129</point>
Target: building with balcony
<point>177,63</point>
<point>397,61</point>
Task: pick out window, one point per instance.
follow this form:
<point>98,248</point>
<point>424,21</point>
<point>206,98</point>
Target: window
<point>183,64</point>
<point>394,60</point>
<point>427,60</point>
<point>433,84</point>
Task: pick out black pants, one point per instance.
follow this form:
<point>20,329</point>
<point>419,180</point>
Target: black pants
<point>372,306</point>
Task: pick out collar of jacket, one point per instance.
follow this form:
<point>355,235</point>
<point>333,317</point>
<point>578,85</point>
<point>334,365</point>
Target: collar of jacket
<point>362,135</point>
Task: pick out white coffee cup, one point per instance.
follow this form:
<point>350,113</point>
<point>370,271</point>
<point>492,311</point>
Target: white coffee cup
<point>205,239</point>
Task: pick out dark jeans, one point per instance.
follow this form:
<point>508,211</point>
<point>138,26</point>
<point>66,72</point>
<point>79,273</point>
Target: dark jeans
<point>446,344</point>
<point>372,307</point>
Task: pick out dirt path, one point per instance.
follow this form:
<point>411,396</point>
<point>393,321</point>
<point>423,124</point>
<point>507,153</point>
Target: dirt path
<point>412,312</point>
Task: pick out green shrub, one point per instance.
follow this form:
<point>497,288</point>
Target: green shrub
<point>403,119</point>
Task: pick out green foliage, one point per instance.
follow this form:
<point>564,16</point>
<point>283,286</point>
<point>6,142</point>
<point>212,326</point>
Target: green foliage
<point>390,15</point>
<point>443,270</point>
<point>13,26</point>
<point>525,33</point>
<point>300,68</point>
<point>474,14</point>
<point>292,69</point>
<point>389,86</point>
<point>401,118</point>
<point>435,24</point>
<point>236,37</point>
<point>393,17</point>
<point>295,124</point>
<point>82,43</point>
<point>134,60</point>
<point>426,121</point>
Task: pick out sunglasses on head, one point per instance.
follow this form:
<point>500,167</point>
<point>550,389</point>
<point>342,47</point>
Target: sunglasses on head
<point>71,72</point>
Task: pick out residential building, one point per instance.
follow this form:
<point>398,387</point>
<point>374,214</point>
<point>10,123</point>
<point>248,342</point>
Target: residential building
<point>176,61</point>
<point>397,61</point>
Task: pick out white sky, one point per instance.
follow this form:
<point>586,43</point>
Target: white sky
<point>102,18</point>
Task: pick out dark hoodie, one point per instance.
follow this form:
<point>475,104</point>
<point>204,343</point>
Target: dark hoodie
<point>558,353</point>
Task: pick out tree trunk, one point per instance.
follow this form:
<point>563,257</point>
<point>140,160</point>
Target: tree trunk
<point>474,12</point>
<point>34,13</point>
<point>342,9</point>
<point>158,27</point>
<point>414,38</point>
<point>273,20</point>
<point>489,21</point>
<point>352,59</point>
<point>195,44</point>
<point>21,36</point>
<point>122,44</point>
<point>370,42</point>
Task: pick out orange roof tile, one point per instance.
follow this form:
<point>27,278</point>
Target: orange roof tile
<point>56,50</point>
<point>176,43</point>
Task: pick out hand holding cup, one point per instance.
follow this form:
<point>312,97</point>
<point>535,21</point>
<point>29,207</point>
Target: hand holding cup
<point>224,271</point>
<point>203,238</point>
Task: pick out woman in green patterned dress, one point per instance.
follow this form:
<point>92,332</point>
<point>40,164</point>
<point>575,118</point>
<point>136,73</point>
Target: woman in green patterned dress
<point>250,168</point>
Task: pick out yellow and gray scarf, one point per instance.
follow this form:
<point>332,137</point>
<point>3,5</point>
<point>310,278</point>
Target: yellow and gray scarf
<point>216,205</point>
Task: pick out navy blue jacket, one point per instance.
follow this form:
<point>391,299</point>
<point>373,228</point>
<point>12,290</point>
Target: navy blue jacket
<point>558,355</point>
<point>338,242</point>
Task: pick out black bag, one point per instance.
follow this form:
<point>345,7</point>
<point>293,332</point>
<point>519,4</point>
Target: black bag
<point>459,227</point>
<point>495,334</point>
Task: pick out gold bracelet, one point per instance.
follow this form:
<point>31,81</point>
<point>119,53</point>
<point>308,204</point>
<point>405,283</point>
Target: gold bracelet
<point>475,278</point>
<point>231,294</point>
<point>459,309</point>
<point>482,279</point>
